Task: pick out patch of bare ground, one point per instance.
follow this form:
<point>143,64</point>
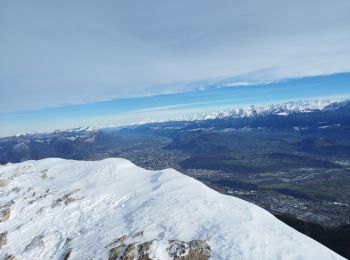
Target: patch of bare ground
<point>3,239</point>
<point>131,251</point>
<point>143,250</point>
<point>126,248</point>
<point>4,183</point>
<point>42,196</point>
<point>44,174</point>
<point>66,199</point>
<point>67,251</point>
<point>193,250</point>
<point>114,252</point>
<point>128,252</point>
<point>66,255</point>
<point>5,213</point>
<point>16,189</point>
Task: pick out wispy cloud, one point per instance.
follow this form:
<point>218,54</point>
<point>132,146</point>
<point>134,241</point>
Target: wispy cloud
<point>163,107</point>
<point>245,83</point>
<point>167,108</point>
<point>118,49</point>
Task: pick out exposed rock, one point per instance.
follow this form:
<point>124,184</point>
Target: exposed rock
<point>120,240</point>
<point>5,214</point>
<point>126,248</point>
<point>100,219</point>
<point>177,248</point>
<point>42,196</point>
<point>68,240</point>
<point>39,211</point>
<point>128,252</point>
<point>197,250</point>
<point>114,252</point>
<point>66,199</point>
<point>37,241</point>
<point>69,200</point>
<point>67,252</point>
<point>56,203</point>
<point>3,239</point>
<point>4,183</point>
<point>44,173</point>
<point>67,255</point>
<point>143,250</point>
<point>16,189</point>
<point>117,248</point>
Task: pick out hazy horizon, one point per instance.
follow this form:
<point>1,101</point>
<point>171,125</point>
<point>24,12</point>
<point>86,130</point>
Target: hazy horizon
<point>65,64</point>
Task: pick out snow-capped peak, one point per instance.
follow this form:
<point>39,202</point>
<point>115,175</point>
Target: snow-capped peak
<point>80,129</point>
<point>258,110</point>
<point>282,109</point>
<point>64,209</point>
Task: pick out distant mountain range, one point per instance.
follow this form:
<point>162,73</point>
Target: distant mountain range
<point>299,106</point>
<point>291,159</point>
<point>70,143</point>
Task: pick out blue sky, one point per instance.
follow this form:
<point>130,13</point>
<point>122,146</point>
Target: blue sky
<point>215,97</point>
<point>61,60</point>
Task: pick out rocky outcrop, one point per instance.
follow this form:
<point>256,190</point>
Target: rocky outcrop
<point>127,248</point>
<point>3,239</point>
<point>66,199</point>
<point>4,213</point>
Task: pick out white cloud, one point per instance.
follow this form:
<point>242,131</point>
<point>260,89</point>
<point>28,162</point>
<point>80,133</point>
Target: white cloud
<point>245,83</point>
<point>65,52</point>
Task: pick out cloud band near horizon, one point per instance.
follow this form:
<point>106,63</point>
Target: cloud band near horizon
<point>55,53</point>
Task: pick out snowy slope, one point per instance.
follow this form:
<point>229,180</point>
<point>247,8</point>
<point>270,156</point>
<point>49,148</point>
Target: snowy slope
<point>54,206</point>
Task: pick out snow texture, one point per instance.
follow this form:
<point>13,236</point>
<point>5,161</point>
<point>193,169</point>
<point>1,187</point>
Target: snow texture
<point>53,208</point>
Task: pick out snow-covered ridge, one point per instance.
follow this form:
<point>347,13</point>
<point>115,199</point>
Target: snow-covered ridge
<point>80,129</point>
<point>70,130</point>
<point>284,109</point>
<point>63,209</point>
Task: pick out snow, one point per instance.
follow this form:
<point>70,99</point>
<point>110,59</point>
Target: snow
<point>283,109</point>
<point>58,205</point>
